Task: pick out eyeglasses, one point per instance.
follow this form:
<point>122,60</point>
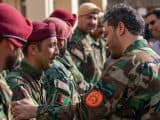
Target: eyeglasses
<point>151,22</point>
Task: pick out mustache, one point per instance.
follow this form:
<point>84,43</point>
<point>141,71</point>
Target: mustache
<point>91,25</point>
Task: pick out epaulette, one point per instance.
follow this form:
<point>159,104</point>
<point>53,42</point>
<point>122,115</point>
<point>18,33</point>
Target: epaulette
<point>15,74</point>
<point>77,36</point>
<point>13,83</point>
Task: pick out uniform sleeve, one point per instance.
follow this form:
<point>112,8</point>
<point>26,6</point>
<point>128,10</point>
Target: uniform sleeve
<point>5,98</point>
<point>91,107</point>
<point>15,85</point>
<point>152,108</point>
<point>130,90</point>
<point>95,104</point>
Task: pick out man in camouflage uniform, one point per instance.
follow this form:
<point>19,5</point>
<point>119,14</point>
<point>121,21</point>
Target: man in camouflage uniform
<point>80,47</point>
<point>63,89</point>
<point>98,44</point>
<point>129,88</point>
<point>14,30</point>
<point>153,25</point>
<point>65,57</point>
<point>39,54</point>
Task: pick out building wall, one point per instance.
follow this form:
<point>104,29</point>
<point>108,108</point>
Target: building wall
<point>101,3</point>
<point>70,5</point>
<point>137,3</point>
<point>40,9</point>
<point>63,4</point>
<point>15,3</point>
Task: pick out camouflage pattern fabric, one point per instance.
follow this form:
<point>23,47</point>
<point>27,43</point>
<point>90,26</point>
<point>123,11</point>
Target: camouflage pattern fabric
<point>5,99</point>
<point>62,89</point>
<point>28,77</point>
<point>83,55</point>
<point>82,85</point>
<point>129,90</point>
<point>99,51</point>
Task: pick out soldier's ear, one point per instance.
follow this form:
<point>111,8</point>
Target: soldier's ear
<point>33,49</point>
<point>9,44</point>
<point>121,28</point>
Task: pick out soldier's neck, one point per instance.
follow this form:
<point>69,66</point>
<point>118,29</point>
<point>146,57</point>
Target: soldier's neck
<point>2,64</point>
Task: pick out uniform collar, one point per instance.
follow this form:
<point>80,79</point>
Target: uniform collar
<point>80,32</point>
<point>30,69</point>
<point>78,35</point>
<point>137,44</point>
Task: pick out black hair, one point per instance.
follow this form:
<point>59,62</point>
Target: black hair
<point>155,12</point>
<point>26,46</point>
<point>126,14</point>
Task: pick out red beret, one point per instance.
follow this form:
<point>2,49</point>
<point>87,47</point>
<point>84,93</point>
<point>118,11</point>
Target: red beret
<point>13,25</point>
<point>42,31</point>
<point>65,15</point>
<point>63,30</point>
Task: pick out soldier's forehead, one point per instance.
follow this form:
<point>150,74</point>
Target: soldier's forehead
<point>106,23</point>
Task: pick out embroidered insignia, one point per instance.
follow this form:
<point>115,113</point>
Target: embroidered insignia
<point>94,99</point>
<point>62,99</point>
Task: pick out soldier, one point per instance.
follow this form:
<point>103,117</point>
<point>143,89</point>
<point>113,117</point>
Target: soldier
<point>65,56</point>
<point>80,47</point>
<point>129,88</point>
<point>14,31</point>
<point>98,45</point>
<point>153,24</point>
<point>39,54</point>
<point>63,89</point>
<point>68,17</point>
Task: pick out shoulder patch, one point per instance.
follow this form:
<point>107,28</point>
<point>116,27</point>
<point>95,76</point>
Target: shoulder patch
<point>94,99</point>
<point>61,85</point>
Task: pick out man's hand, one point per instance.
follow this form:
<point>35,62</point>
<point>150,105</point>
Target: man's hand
<point>25,108</point>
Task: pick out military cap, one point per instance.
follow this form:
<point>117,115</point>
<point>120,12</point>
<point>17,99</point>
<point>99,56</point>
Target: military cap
<point>13,25</point>
<point>65,15</point>
<point>63,30</point>
<point>87,8</point>
<point>42,31</point>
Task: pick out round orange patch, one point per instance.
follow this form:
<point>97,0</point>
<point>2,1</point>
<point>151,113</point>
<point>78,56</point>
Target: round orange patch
<point>94,99</point>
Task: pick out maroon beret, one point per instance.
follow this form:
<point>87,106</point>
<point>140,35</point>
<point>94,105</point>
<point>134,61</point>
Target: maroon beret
<point>42,31</point>
<point>13,25</point>
<point>65,15</point>
<point>63,30</point>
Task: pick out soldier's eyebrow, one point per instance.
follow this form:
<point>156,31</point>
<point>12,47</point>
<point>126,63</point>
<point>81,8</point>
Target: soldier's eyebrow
<point>151,22</point>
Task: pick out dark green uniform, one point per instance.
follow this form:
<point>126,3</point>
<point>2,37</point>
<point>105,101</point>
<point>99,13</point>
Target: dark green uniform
<point>66,60</point>
<point>83,55</point>
<point>5,99</point>
<point>63,89</point>
<point>129,89</point>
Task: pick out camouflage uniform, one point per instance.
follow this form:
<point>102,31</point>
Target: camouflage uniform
<point>99,51</point>
<point>5,98</point>
<point>62,89</point>
<point>63,79</point>
<point>82,85</point>
<point>83,55</point>
<point>129,89</point>
<point>28,77</point>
